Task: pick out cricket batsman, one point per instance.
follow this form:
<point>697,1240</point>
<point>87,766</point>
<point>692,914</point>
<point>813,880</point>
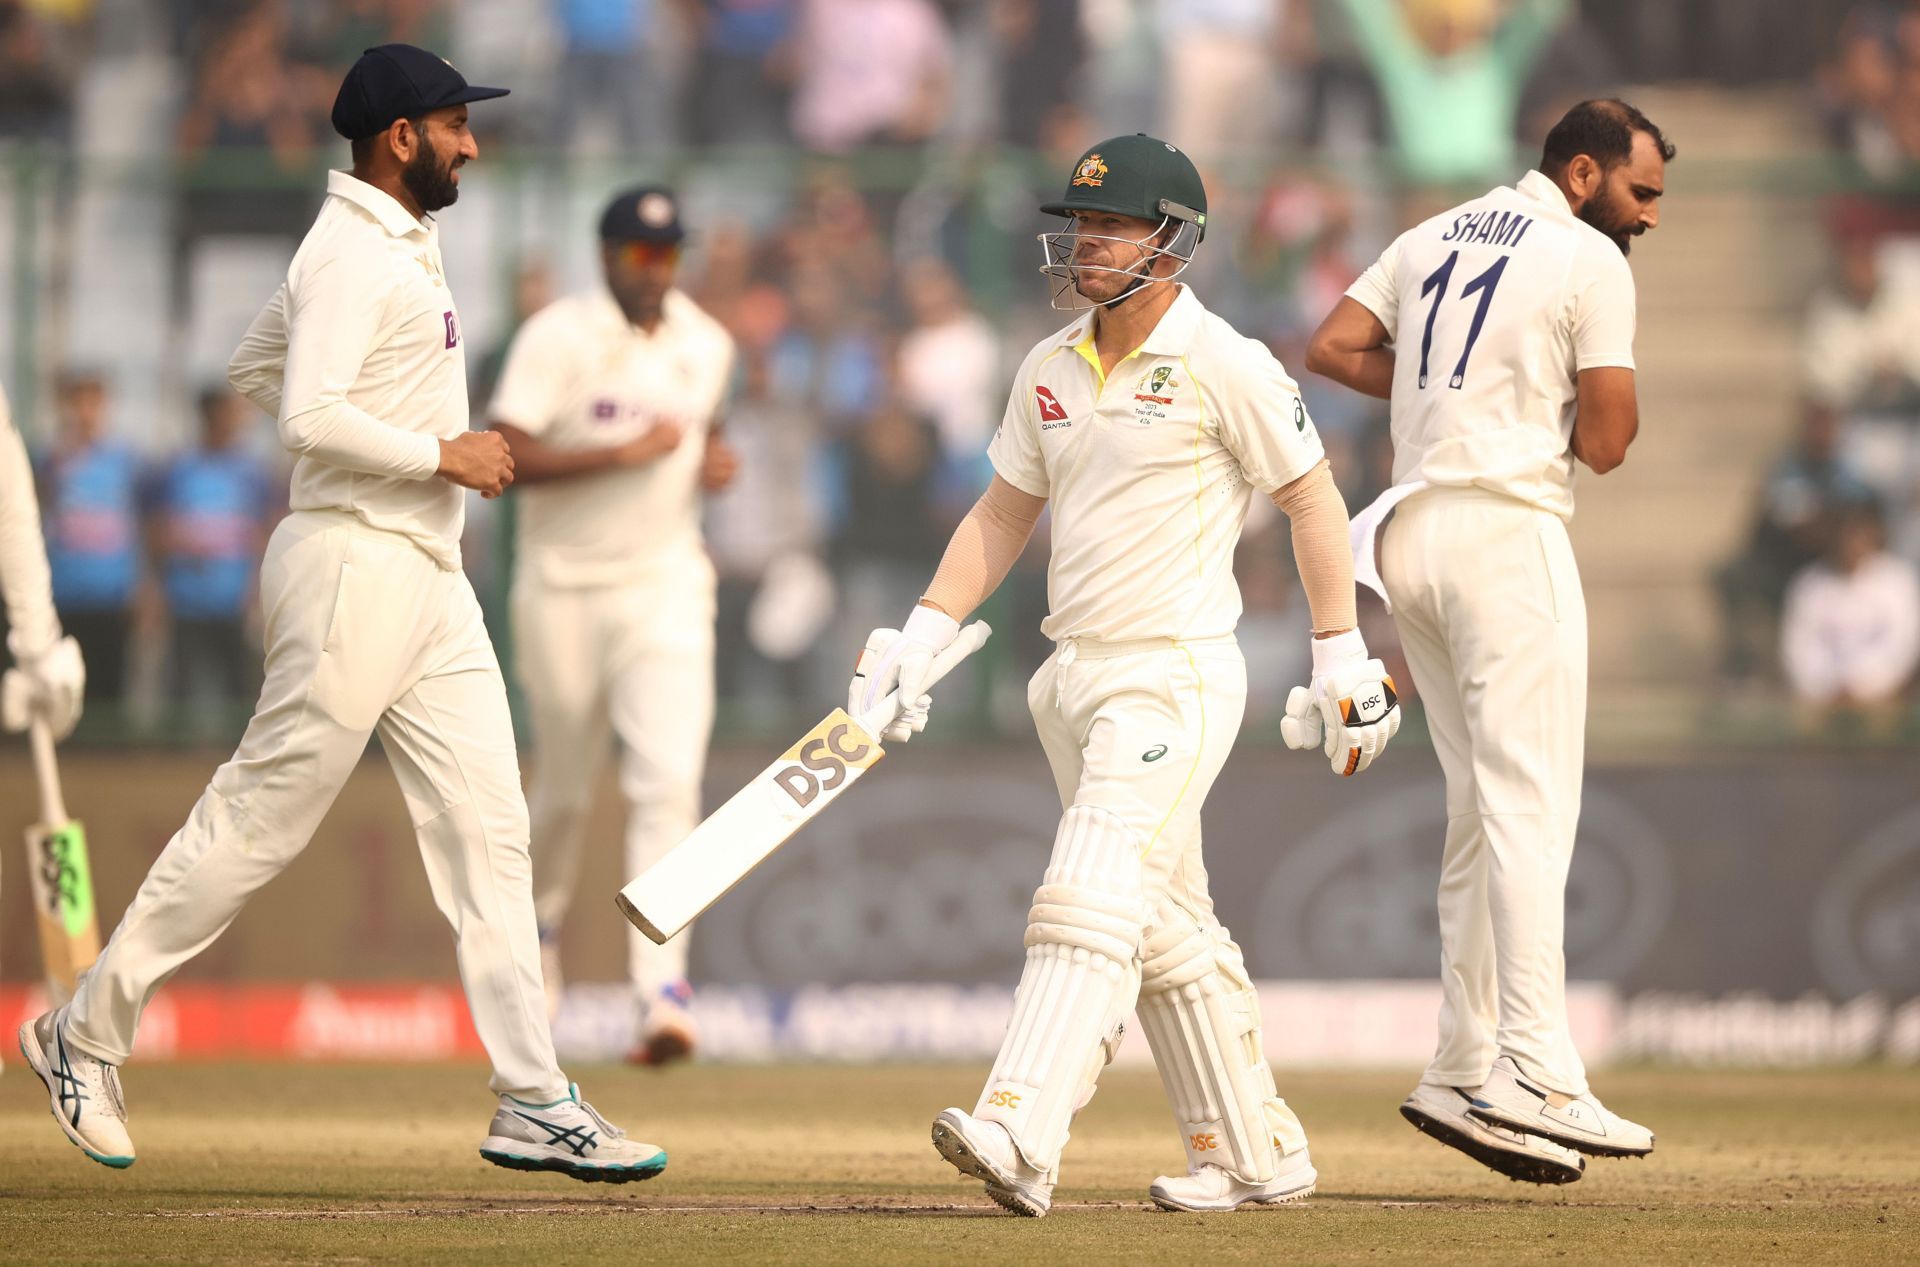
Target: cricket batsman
<point>370,626</point>
<point>1147,423</point>
<point>611,402</point>
<point>1502,333</point>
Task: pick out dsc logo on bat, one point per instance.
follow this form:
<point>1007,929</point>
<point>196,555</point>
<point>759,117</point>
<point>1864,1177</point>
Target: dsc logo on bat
<point>823,759</point>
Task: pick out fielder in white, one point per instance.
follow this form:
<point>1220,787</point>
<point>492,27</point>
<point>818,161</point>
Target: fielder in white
<point>370,625</point>
<point>48,676</point>
<point>1502,332</point>
<point>611,403</point>
<point>1147,424</point>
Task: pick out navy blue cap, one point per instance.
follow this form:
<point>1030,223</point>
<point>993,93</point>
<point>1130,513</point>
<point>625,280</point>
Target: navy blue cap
<point>399,81</point>
<point>646,213</point>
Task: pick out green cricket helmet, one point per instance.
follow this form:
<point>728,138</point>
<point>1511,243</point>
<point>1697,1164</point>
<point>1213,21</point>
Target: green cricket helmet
<point>1139,176</point>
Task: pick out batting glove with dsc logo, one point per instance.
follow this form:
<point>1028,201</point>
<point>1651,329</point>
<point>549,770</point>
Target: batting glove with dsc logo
<point>1351,709</point>
<point>902,659</point>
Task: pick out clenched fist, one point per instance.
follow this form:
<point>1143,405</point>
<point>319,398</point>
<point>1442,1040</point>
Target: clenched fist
<point>477,459</point>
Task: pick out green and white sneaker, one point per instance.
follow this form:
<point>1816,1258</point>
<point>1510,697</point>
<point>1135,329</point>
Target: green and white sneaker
<point>568,1136</point>
<point>83,1093</point>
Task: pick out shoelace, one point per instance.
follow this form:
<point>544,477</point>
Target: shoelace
<point>613,1132</point>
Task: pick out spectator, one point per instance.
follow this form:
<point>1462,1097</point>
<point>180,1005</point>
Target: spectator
<point>739,94</point>
<point>616,71</point>
<point>870,72</point>
<point>208,514</point>
<point>36,78</point>
<point>242,95</point>
<point>891,532</point>
<point>1038,47</point>
<point>949,372</point>
<point>1862,360</point>
<point>1800,495</point>
<point>1452,76</point>
<point>89,496</point>
<point>1868,85</point>
<point>1851,633</point>
<point>1225,90</point>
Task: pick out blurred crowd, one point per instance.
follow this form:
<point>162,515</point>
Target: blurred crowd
<point>1825,593</point>
<point>869,170</point>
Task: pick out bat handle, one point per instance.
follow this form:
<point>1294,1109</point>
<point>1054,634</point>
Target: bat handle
<point>970,640</point>
<point>46,771</point>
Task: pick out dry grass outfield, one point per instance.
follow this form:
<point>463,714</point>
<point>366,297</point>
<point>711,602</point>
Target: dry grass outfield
<point>831,1165</point>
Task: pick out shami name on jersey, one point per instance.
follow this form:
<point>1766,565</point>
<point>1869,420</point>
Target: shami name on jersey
<point>1498,228</point>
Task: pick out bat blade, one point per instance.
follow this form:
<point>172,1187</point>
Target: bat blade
<point>62,882</point>
<point>753,823</point>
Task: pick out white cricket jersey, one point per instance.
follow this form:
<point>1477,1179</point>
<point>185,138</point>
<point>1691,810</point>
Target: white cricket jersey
<point>25,583</point>
<point>580,375</point>
<point>1149,470</point>
<point>1493,308</point>
<point>359,356</point>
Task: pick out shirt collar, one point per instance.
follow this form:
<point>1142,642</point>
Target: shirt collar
<point>378,203</point>
<point>1540,187</point>
<point>1172,335</point>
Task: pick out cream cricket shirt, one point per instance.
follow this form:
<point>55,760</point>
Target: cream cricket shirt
<point>1149,470</point>
<point>580,375</point>
<point>358,355</point>
<point>1493,308</point>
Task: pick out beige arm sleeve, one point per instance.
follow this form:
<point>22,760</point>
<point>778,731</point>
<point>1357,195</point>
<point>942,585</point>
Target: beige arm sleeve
<point>984,548</point>
<point>1320,550</point>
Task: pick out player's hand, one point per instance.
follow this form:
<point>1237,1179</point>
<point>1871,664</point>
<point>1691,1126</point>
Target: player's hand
<point>477,459</point>
<point>51,684</point>
<point>902,660</point>
<point>719,466</point>
<point>1358,704</point>
<point>656,441</point>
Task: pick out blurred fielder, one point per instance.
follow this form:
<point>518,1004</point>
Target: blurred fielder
<point>1146,423</point>
<point>1502,331</point>
<point>370,625</point>
<point>611,401</point>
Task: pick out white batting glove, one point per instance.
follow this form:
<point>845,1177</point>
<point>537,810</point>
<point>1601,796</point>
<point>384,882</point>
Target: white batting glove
<point>1357,704</point>
<point>50,683</point>
<point>902,660</point>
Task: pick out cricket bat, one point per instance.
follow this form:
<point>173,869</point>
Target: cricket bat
<point>62,881</point>
<point>761,816</point>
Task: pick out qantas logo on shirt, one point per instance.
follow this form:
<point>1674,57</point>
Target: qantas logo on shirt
<point>1050,408</point>
<point>453,328</point>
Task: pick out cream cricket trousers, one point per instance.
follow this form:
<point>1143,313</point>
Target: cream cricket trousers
<point>1487,600</point>
<point>364,632</point>
<point>629,661</point>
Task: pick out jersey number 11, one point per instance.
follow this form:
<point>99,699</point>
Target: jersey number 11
<point>1436,283</point>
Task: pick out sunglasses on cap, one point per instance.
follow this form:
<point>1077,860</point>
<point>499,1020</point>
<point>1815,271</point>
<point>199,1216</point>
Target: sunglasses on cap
<point>646,254</point>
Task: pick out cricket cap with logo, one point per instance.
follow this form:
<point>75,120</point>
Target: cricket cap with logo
<point>645,213</point>
<point>399,81</point>
<point>1136,175</point>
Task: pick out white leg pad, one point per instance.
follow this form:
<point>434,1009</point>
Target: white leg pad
<point>1202,1020</point>
<point>1081,978</point>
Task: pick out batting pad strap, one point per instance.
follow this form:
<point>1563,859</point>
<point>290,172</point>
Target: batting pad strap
<point>1067,915</point>
<point>1175,954</point>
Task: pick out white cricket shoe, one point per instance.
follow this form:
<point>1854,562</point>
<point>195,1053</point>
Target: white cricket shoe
<point>985,1151</point>
<point>83,1093</point>
<point>1213,1188</point>
<point>1511,1099</point>
<point>1445,1114</point>
<point>568,1136</point>
<point>667,1030</point>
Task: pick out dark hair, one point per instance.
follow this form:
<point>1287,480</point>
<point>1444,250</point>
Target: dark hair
<point>362,148</point>
<point>1602,129</point>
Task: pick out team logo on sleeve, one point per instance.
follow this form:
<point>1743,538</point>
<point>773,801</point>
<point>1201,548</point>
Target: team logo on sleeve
<point>1050,408</point>
<point>1092,171</point>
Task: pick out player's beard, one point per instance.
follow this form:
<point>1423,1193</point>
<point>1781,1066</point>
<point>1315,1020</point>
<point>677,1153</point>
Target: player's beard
<point>431,181</point>
<point>1603,212</point>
